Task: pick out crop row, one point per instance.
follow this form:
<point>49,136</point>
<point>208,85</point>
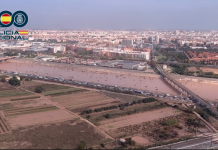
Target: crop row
<point>24,98</point>
<point>146,125</point>
<point>120,106</point>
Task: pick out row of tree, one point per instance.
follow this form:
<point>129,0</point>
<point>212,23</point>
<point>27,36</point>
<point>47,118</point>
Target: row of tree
<point>120,106</point>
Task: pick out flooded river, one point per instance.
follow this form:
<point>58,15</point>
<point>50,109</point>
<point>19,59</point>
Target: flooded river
<point>204,87</point>
<point>110,76</point>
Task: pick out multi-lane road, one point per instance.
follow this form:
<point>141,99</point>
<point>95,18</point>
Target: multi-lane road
<point>194,96</point>
<point>205,142</point>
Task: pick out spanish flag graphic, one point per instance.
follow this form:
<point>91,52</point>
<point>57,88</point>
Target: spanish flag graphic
<point>5,19</point>
<point>23,32</point>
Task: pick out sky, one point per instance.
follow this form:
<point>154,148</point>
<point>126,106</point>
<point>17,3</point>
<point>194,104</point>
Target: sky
<point>117,14</point>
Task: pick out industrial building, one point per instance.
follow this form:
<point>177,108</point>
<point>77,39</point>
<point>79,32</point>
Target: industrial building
<point>47,57</point>
<point>122,53</point>
<point>127,42</point>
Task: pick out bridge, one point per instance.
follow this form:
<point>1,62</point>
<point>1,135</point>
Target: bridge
<point>185,90</point>
<point>8,57</point>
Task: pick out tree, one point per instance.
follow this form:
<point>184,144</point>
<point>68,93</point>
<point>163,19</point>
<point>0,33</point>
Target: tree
<point>3,79</point>
<point>153,64</point>
<point>82,145</point>
<point>107,116</point>
<point>102,145</point>
<point>88,116</point>
<point>14,81</point>
<point>21,78</point>
<point>38,89</point>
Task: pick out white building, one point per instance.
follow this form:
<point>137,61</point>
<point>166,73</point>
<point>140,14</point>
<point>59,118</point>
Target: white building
<point>195,47</point>
<point>46,57</point>
<point>56,49</point>
<point>157,39</point>
<point>164,67</point>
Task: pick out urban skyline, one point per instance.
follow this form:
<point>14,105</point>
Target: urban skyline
<point>118,15</point>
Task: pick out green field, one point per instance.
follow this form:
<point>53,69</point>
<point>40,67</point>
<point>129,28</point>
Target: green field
<point>12,93</point>
<point>122,97</point>
<point>31,111</point>
<point>48,87</point>
<point>24,98</point>
<point>61,91</point>
<point>160,57</point>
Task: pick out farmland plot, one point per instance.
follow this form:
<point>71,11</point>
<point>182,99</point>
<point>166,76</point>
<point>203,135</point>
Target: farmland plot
<point>84,99</point>
<point>20,117</point>
<point>3,126</point>
<point>137,118</point>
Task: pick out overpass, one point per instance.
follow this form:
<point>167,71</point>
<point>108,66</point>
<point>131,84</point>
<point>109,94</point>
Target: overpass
<point>7,58</point>
<point>185,90</point>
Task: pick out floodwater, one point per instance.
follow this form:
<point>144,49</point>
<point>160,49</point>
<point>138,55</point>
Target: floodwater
<point>208,91</point>
<point>206,88</point>
<point>109,76</point>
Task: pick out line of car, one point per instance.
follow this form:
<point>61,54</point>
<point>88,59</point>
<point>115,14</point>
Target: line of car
<point>98,86</point>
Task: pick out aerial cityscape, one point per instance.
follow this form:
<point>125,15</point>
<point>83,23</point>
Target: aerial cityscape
<point>124,85</point>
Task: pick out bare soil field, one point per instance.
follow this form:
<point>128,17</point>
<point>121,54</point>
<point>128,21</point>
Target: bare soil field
<point>137,118</point>
<point>141,140</point>
<point>4,87</point>
<point>8,104</point>
<point>192,69</point>
<point>98,117</point>
<point>84,99</point>
<point>66,135</point>
<point>51,116</point>
<point>162,129</point>
<point>214,70</point>
<point>122,97</point>
<point>3,125</point>
<point>27,110</point>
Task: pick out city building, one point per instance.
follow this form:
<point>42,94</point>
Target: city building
<point>157,39</point>
<point>56,49</point>
<point>127,42</point>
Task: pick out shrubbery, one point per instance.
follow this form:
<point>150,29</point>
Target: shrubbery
<point>14,81</point>
<point>120,106</point>
<point>38,89</point>
<point>3,79</point>
<point>170,122</point>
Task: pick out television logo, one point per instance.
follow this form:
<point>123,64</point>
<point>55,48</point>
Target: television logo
<point>14,35</point>
<point>19,19</point>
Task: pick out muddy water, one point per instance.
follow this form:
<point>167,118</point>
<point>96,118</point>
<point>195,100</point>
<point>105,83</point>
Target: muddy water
<point>207,91</point>
<point>124,78</point>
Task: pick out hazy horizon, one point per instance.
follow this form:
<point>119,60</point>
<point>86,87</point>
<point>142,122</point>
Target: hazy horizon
<point>117,14</point>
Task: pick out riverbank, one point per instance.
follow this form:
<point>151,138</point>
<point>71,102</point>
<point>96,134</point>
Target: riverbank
<point>125,78</point>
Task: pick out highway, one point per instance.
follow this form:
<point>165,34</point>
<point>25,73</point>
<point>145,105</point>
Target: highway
<point>193,95</point>
<point>205,142</point>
